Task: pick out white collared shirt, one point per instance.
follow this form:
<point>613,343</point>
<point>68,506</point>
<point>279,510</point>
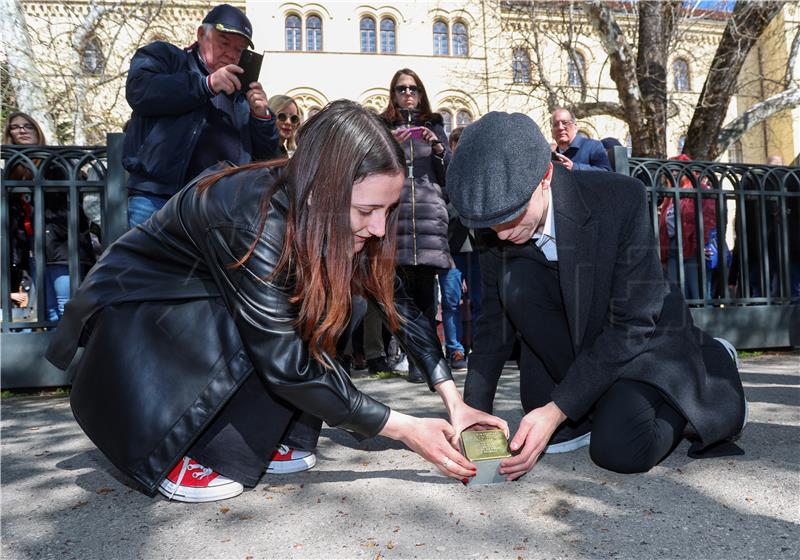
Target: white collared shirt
<point>546,240</point>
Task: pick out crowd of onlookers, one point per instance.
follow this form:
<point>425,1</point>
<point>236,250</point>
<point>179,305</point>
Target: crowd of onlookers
<point>190,111</point>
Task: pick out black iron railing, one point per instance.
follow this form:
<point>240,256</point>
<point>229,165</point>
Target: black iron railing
<point>87,184</point>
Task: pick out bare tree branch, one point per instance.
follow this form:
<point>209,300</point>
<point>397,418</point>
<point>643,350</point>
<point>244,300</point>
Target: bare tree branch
<point>746,25</point>
<point>756,114</point>
<point>597,108</point>
<point>789,76</point>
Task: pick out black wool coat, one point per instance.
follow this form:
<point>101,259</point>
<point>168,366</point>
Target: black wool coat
<point>624,321</point>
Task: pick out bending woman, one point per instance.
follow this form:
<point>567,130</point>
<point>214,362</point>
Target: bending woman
<point>211,325</point>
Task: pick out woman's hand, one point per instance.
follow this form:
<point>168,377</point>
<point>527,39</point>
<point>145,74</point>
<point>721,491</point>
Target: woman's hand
<point>401,134</point>
<point>431,139</point>
<point>531,438</point>
<point>430,438</point>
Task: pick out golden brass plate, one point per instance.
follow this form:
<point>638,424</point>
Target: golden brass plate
<point>484,445</point>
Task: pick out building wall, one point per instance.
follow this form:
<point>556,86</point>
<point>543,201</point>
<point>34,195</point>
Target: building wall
<point>482,81</point>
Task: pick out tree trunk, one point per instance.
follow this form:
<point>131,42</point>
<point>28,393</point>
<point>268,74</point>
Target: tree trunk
<point>655,30</point>
<point>26,82</point>
<point>621,68</point>
<point>747,23</point>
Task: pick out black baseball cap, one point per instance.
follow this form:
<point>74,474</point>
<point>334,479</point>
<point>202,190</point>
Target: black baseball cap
<point>230,19</point>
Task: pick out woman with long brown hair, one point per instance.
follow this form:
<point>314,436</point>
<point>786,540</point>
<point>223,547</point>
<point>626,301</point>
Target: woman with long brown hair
<point>22,129</point>
<point>423,248</point>
<point>214,323</point>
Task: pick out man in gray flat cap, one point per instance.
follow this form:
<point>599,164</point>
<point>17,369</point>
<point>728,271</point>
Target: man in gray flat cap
<point>609,356</point>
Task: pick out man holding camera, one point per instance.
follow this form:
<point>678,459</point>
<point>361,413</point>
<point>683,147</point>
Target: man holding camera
<point>190,111</point>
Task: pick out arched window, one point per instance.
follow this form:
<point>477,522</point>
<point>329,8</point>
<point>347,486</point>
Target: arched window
<point>92,60</point>
<point>576,70</point>
<point>680,68</point>
<point>463,118</point>
<point>388,44</point>
<point>460,39</point>
<point>294,33</point>
<point>313,33</point>
<point>521,65</point>
<point>440,38</point>
<point>368,35</point>
<point>447,117</point>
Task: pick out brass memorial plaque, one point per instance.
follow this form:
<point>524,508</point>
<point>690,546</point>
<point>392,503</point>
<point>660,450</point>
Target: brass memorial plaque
<point>484,445</point>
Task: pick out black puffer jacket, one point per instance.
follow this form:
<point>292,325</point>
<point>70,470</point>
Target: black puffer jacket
<point>171,331</point>
<point>422,220</point>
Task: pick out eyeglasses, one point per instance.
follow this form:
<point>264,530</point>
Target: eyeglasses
<point>25,127</point>
<point>400,90</point>
<point>283,117</point>
<point>565,124</point>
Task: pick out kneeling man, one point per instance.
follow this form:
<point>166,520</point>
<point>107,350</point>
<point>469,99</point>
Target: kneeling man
<point>609,356</point>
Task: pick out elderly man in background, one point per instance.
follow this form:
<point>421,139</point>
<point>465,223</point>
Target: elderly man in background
<point>191,111</point>
<point>575,151</point>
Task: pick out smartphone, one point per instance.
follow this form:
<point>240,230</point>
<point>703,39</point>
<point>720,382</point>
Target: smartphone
<point>250,62</point>
<point>416,132</point>
<point>554,156</point>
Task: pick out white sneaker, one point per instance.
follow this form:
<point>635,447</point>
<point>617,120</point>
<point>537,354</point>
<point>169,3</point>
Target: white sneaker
<point>189,481</point>
<point>570,444</point>
<point>731,350</point>
<point>287,460</point>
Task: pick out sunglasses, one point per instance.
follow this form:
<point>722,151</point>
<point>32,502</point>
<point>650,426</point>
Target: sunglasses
<point>400,90</point>
<point>26,127</point>
<point>283,117</point>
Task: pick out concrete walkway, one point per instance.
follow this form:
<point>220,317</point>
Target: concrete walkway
<point>62,499</point>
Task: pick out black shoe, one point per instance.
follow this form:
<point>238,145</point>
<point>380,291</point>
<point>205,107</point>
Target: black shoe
<point>378,365</point>
<point>414,375</point>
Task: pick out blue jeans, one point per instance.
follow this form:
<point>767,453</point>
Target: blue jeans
<point>468,270</point>
<point>142,206</point>
<point>470,266</point>
<point>56,282</point>
<point>450,284</point>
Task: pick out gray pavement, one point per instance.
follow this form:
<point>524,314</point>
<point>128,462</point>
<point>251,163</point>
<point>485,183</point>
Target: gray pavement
<point>62,499</point>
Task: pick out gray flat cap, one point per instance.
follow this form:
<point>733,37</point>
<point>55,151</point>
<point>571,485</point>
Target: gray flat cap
<point>500,160</point>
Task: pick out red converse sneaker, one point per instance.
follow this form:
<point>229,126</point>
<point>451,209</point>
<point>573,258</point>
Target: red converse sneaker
<point>286,460</point>
<point>190,481</point>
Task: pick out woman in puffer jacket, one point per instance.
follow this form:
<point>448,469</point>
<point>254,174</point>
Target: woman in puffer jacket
<point>422,247</point>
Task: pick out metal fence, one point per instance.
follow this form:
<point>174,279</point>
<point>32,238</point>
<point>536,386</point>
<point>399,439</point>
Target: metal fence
<point>88,184</point>
<point>746,287</point>
<point>739,262</point>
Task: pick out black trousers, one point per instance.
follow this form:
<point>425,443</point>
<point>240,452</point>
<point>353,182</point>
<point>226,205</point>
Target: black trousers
<point>633,425</point>
<point>240,440</point>
<point>420,285</point>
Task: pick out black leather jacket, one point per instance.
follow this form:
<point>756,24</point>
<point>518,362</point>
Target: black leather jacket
<point>187,329</point>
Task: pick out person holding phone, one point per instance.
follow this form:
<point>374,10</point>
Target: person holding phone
<point>237,320</point>
<point>288,115</point>
<point>190,111</point>
<point>422,248</point>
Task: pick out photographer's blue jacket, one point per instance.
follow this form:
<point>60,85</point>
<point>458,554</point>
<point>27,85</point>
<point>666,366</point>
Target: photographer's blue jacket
<point>587,155</point>
<point>168,92</point>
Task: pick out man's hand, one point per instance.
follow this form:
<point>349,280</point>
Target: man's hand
<point>563,160</point>
<point>257,98</point>
<point>531,438</point>
<point>226,79</point>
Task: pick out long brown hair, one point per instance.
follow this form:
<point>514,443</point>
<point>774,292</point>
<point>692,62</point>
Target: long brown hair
<point>341,145</point>
<point>391,114</point>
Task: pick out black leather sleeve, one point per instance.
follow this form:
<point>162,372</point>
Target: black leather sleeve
<point>265,320</point>
<point>418,339</point>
